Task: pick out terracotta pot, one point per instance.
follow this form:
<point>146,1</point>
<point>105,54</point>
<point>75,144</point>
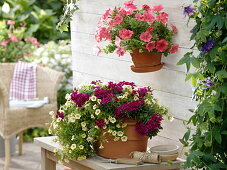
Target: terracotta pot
<point>145,61</point>
<point>118,149</point>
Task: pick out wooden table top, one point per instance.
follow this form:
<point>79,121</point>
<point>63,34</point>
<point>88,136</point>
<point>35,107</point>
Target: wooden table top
<point>99,163</point>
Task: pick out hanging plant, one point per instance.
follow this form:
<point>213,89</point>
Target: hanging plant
<point>69,8</point>
<point>208,145</point>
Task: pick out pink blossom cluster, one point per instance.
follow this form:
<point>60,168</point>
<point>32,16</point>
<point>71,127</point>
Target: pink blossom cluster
<point>60,115</point>
<point>33,40</point>
<point>112,18</point>
<point>152,125</point>
<point>79,98</point>
<point>100,123</point>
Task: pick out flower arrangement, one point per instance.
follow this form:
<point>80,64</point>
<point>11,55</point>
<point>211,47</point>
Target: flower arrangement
<point>128,28</point>
<point>99,108</point>
<point>14,45</point>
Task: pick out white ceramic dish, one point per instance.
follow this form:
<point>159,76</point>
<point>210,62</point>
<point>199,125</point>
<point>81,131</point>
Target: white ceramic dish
<point>165,149</point>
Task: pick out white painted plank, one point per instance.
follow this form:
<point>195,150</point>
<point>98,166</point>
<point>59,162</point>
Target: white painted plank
<point>84,43</point>
<point>178,105</point>
<point>174,8</point>
<point>164,79</point>
<point>87,23</point>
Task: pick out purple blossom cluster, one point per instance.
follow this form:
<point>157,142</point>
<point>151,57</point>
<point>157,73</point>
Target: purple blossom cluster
<point>79,98</point>
<point>128,107</point>
<point>96,82</point>
<point>188,10</point>
<point>152,125</point>
<point>100,123</point>
<point>60,114</point>
<point>143,91</point>
<point>208,46</point>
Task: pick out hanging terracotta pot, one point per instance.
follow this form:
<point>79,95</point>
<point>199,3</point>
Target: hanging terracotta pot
<point>119,149</point>
<point>146,61</point>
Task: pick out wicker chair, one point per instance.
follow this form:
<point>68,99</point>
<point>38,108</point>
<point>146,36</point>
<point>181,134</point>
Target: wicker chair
<point>15,120</point>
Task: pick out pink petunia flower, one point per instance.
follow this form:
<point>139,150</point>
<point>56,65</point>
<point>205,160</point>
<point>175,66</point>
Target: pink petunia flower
<point>162,17</point>
<point>161,45</point>
<point>174,29</point>
<point>33,40</point>
<point>117,20</point>
<point>130,5</point>
<point>150,46</point>
<point>145,36</point>
<point>97,50</point>
<point>106,14</point>
<point>149,29</point>
<point>125,34</point>
<point>13,38</point>
<point>139,17</point>
<point>146,7</point>
<point>4,43</point>
<point>174,48</point>
<point>120,51</point>
<point>157,8</point>
<point>10,22</point>
<point>148,17</point>
<point>102,33</point>
<point>117,41</point>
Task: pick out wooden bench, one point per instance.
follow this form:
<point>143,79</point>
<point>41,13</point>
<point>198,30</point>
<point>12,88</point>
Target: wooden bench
<point>49,160</point>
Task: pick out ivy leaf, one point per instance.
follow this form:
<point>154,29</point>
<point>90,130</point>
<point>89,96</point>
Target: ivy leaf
<point>185,60</point>
<point>220,22</point>
<point>222,73</point>
<point>218,137</point>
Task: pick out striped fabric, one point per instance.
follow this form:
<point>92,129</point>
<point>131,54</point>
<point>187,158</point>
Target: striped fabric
<point>23,83</point>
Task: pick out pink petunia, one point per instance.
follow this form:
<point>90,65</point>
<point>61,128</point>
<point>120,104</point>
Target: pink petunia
<point>4,43</point>
<point>102,33</point>
<point>97,50</point>
<point>174,48</point>
<point>145,36</point>
<point>120,51</point>
<point>117,41</point>
<point>149,29</point>
<point>139,17</point>
<point>150,46</point>
<point>146,7</point>
<point>117,20</point>
<point>33,40</point>
<point>157,8</point>
<point>13,38</point>
<point>162,45</point>
<point>130,5</point>
<point>174,29</point>
<point>148,17</point>
<point>162,17</point>
<point>125,34</point>
<point>10,22</point>
<point>106,14</point>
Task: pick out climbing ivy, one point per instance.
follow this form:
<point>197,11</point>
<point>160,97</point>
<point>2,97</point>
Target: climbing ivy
<point>208,142</point>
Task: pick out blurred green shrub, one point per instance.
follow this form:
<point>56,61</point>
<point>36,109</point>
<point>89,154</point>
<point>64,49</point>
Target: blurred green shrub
<point>39,16</point>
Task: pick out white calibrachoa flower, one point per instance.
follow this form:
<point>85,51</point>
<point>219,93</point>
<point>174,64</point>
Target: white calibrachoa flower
<point>92,116</point>
<point>147,101</point>
<point>73,146</point>
<point>81,146</point>
<point>101,146</point>
<point>68,103</point>
<point>93,98</point>
<point>51,113</point>
<point>136,98</point>
<point>55,125</point>
<point>94,106</point>
<point>114,133</point>
<point>58,119</point>
<point>89,139</point>
<point>70,151</point>
<point>120,97</point>
<point>116,139</point>
<point>120,133</point>
<point>124,138</point>
<point>118,126</point>
<point>97,111</point>
<point>99,101</point>
<point>72,119</point>
<point>67,96</point>
<point>127,87</point>
<point>73,137</point>
<point>124,125</point>
<point>83,124</point>
<point>77,116</point>
<point>84,128</point>
<point>110,131</point>
<point>112,119</point>
<point>96,127</point>
<point>83,135</point>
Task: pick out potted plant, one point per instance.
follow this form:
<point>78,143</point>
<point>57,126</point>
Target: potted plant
<point>111,119</point>
<point>144,33</point>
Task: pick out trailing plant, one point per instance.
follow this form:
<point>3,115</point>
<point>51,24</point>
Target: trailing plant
<point>99,108</point>
<point>128,28</point>
<point>208,145</point>
<point>69,8</point>
<point>39,16</point>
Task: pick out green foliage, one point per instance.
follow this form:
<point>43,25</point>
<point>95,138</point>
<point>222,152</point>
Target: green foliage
<point>39,16</point>
<point>209,143</point>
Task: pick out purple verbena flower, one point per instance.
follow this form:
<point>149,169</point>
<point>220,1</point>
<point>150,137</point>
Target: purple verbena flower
<point>100,123</point>
<point>114,86</point>
<point>155,122</point>
<point>102,93</point>
<point>96,82</point>
<point>142,129</point>
<point>60,114</point>
<point>207,46</point>
<point>142,91</point>
<point>79,98</point>
<point>122,83</point>
<point>188,10</point>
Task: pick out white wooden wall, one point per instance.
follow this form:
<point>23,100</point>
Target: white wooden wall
<point>171,89</point>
